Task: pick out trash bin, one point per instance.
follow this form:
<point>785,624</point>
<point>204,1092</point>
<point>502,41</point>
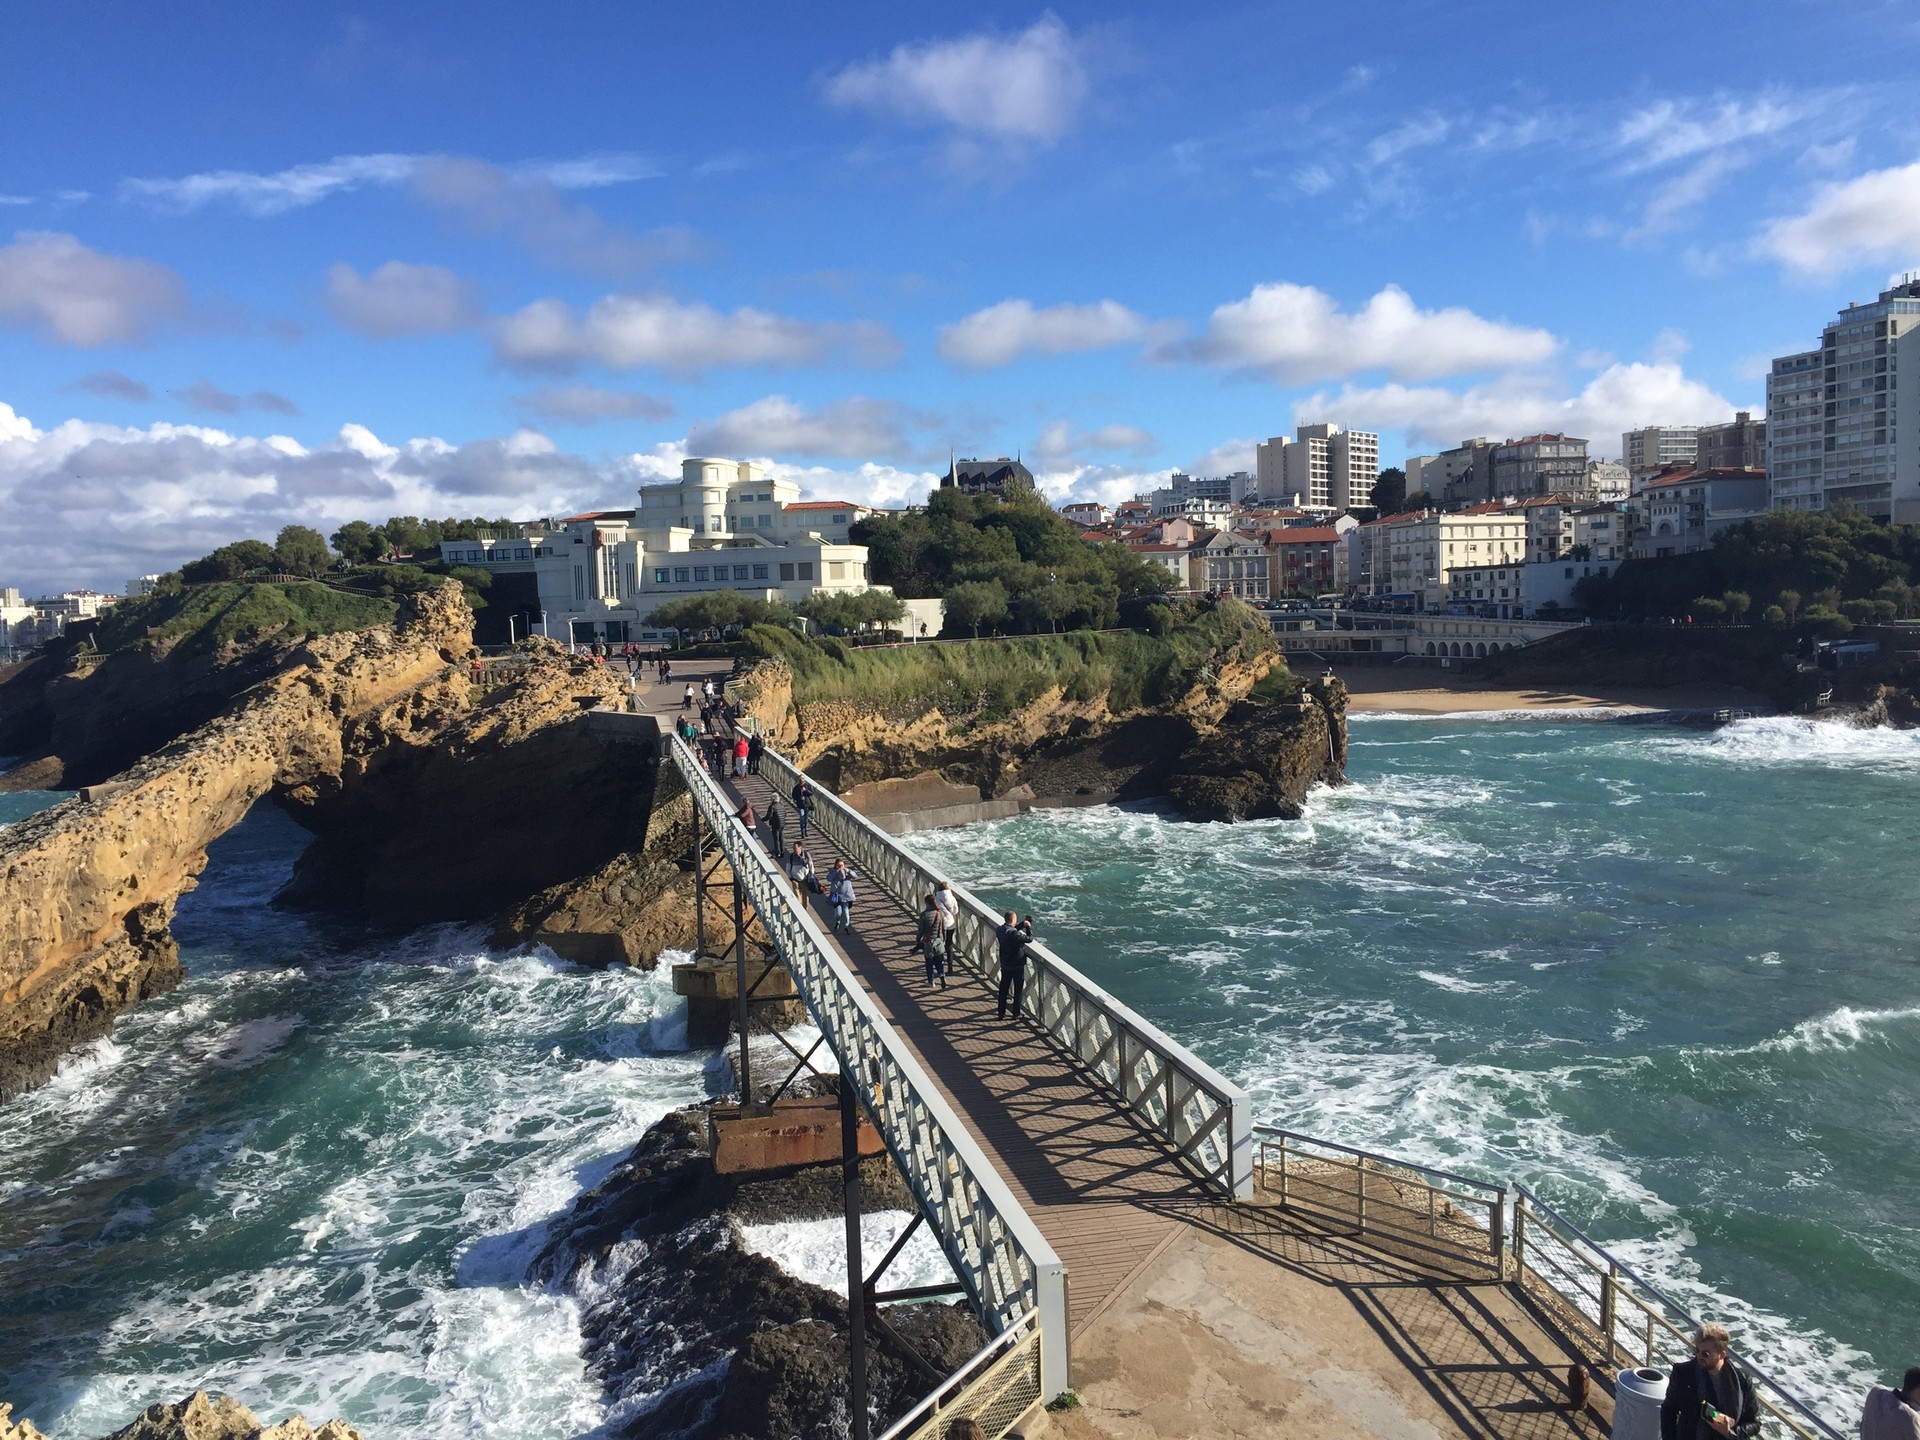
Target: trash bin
<point>1636,1403</point>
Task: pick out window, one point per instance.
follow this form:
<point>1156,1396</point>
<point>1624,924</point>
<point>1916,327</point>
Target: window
<point>786,570</point>
<point>759,572</point>
<point>681,574</point>
<point>840,519</point>
<point>699,572</point>
<point>739,572</point>
<point>806,569</point>
<point>659,576</point>
<point>837,570</point>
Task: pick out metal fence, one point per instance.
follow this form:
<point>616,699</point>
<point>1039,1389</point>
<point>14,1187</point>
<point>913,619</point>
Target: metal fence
<point>1598,1300</point>
<point>1010,1272</point>
<point>1204,1118</point>
<point>994,1389</point>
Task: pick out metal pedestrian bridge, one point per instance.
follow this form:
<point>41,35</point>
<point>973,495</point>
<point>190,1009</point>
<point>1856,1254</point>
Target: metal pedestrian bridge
<point>1055,1155</point>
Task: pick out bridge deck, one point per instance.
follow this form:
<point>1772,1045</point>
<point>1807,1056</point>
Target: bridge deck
<point>1106,1194</point>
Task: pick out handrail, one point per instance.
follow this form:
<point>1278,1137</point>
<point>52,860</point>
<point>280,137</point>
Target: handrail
<point>1465,1180</point>
<point>954,1390</point>
<point>1660,1328</point>
<point>1198,1112</point>
<point>997,1252</point>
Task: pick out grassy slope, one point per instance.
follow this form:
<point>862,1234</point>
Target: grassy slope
<point>987,680</point>
<point>203,619</point>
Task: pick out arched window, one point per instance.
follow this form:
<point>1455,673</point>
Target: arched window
<point>1429,647</point>
<point>1483,650</point>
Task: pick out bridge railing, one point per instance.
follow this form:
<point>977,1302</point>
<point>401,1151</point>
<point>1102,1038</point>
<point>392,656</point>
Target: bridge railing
<point>1204,1118</point>
<point>1010,1272</point>
<point>1621,1317</point>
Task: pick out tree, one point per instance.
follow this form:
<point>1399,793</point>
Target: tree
<point>1390,491</point>
<point>974,603</point>
<point>359,543</point>
<point>1418,500</point>
<point>1790,602</point>
<point>1738,602</point>
<point>229,562</point>
<point>1774,616</point>
<point>298,550</point>
<point>1706,608</point>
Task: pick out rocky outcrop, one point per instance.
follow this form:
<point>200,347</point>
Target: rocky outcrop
<point>1261,761</point>
<point>1236,745</point>
<point>201,1417</point>
<point>692,1334</point>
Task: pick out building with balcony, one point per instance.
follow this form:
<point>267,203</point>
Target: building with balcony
<point>1740,444</point>
<point>1653,448</point>
<point>1324,466</point>
<point>1684,513</point>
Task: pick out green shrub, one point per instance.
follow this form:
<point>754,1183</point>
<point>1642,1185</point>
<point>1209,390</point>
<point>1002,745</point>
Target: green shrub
<point>200,619</point>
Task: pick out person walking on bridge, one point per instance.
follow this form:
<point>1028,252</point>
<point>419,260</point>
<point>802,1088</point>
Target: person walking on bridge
<point>840,894</point>
<point>776,826</point>
<point>931,941</point>
<point>756,747</point>
<point>1709,1397</point>
<point>740,752</point>
<point>803,805</point>
<point>800,870</point>
<point>1013,964</point>
<point>686,700</point>
<point>949,906</point>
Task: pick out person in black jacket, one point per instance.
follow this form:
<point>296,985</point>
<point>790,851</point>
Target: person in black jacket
<point>1709,1397</point>
<point>1013,964</point>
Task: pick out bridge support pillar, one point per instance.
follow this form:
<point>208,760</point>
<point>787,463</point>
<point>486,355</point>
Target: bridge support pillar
<point>746,995</point>
<point>856,1262</point>
<point>699,888</point>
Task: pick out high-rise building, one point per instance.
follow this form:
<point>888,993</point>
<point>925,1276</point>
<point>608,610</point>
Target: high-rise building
<point>1740,444</point>
<point>1540,465</point>
<point>1653,448</point>
<point>1840,426</point>
<point>1325,465</point>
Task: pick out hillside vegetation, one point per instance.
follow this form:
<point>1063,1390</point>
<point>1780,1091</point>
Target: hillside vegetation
<point>205,619</point>
<point>982,681</point>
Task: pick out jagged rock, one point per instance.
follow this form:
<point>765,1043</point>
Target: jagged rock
<point>21,1429</point>
<point>203,1417</point>
<point>1262,760</point>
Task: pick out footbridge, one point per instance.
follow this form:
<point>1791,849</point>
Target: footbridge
<point>1059,1155</point>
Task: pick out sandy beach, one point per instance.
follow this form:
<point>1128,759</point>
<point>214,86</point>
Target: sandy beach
<point>1427,692</point>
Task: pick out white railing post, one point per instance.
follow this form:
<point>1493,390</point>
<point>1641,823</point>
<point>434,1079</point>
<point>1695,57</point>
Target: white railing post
<point>1241,1138</point>
<point>1051,1283</point>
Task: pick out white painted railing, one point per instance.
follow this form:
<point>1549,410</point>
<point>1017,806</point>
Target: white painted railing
<point>1009,1270</point>
<point>1204,1118</point>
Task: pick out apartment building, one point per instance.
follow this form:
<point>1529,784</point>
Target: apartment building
<point>1685,512</point>
<point>1223,563</point>
<point>1308,559</point>
<point>1540,465</point>
<point>1653,448</point>
<point>1324,465</point>
<point>1520,592</point>
<point>1413,554</point>
<point>1740,444</point>
<point>1840,426</point>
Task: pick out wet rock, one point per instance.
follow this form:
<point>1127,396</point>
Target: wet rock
<point>1263,758</point>
<point>204,1417</point>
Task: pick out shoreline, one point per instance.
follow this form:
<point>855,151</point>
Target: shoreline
<point>1372,692</point>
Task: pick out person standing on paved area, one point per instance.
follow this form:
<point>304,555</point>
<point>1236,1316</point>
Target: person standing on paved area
<point>803,805</point>
<point>776,825</point>
<point>756,747</point>
<point>1013,964</point>
<point>686,700</point>
<point>1709,1396</point>
<point>931,941</point>
<point>840,894</point>
<point>1891,1414</point>
<point>800,870</point>
<point>740,751</point>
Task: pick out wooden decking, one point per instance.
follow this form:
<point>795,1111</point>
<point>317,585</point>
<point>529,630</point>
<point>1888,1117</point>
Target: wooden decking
<point>1106,1194</point>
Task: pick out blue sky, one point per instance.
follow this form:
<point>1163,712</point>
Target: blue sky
<point>307,263</point>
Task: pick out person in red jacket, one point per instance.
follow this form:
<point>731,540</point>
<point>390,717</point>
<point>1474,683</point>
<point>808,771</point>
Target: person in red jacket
<point>740,755</point>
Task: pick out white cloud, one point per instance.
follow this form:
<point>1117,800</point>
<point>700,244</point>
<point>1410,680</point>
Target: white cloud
<point>1025,87</point>
<point>588,404</point>
<point>1061,442</point>
<point>88,504</point>
<point>1001,334</point>
<point>1676,201</point>
<point>210,399</point>
<point>528,208</point>
<point>1297,333</point>
<point>81,297</point>
<point>264,193</point>
<point>400,299</point>
<point>1225,458</point>
<point>1871,218</point>
<point>1670,130</point>
<point>850,429</point>
<point>1617,399</point>
<point>627,332</point>
<point>274,193</point>
<point>1413,134</point>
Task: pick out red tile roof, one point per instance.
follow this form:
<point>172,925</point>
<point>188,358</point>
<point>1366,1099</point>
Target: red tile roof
<point>825,505</point>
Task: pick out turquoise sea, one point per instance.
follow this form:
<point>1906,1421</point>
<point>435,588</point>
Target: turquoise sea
<point>1668,978</point>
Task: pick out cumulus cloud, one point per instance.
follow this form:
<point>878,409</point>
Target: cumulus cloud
<point>628,332</point>
<point>1873,217</point>
<point>1617,399</point>
<point>1298,334</point>
<point>209,399</point>
<point>89,504</point>
<point>1062,442</point>
<point>851,429</point>
<point>73,295</point>
<point>1225,458</point>
<point>528,208</point>
<point>1011,88</point>
<point>400,299</point>
<point>1001,334</point>
<point>588,404</point>
<point>265,193</point>
<point>112,385</point>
